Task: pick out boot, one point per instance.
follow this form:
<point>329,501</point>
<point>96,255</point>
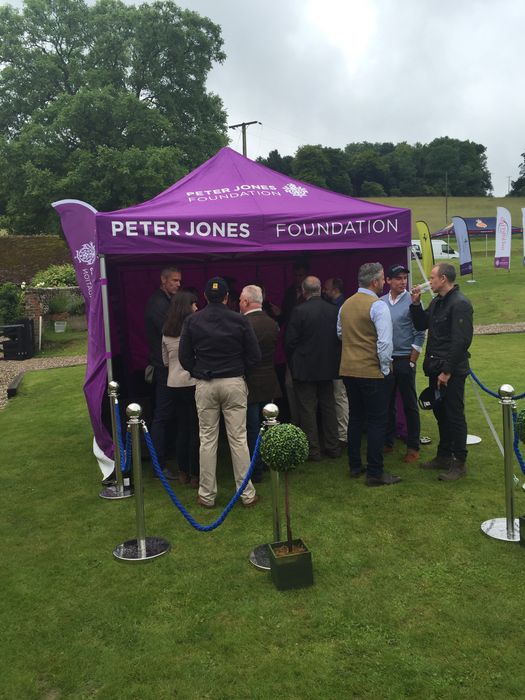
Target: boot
<point>439,462</point>
<point>411,456</point>
<point>456,471</point>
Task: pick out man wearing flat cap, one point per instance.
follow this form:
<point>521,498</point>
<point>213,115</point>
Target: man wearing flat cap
<point>217,347</point>
<point>407,347</point>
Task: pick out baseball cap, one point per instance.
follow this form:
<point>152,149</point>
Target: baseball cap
<point>428,398</point>
<point>216,289</point>
<point>396,270</point>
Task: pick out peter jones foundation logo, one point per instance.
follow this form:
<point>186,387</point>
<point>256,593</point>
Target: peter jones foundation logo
<point>246,190</point>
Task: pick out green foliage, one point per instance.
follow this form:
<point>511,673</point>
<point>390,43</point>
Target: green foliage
<point>11,306</point>
<point>59,303</point>
<point>518,186</point>
<point>379,169</point>
<point>284,447</point>
<point>55,276</point>
<point>103,102</point>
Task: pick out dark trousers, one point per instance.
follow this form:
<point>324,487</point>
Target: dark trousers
<point>367,406</point>
<point>253,427</point>
<point>186,430</point>
<point>162,413</point>
<point>404,381</point>
<point>310,396</point>
<point>450,415</point>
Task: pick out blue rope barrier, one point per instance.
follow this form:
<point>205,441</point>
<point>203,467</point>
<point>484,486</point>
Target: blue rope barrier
<point>175,500</point>
<point>125,468</point>
<point>516,442</point>
<point>120,441</point>
<point>493,393</point>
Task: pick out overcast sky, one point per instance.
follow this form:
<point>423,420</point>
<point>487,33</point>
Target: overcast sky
<point>337,71</point>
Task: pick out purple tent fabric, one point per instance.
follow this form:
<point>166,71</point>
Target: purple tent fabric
<point>228,208</point>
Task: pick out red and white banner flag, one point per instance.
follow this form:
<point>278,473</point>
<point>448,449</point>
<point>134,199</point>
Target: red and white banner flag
<point>503,238</point>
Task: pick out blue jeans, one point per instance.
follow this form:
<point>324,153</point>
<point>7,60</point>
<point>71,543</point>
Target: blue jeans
<point>367,407</point>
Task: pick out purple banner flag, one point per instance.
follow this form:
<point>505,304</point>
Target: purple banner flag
<point>463,241</point>
<point>79,226</point>
<point>503,238</point>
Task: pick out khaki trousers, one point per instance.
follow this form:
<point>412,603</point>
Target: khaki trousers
<point>229,396</point>
<point>341,409</point>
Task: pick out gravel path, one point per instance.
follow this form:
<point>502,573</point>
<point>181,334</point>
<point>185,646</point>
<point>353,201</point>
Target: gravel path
<point>9,369</point>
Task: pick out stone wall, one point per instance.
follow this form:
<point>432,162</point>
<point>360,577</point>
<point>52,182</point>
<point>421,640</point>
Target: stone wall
<point>37,299</point>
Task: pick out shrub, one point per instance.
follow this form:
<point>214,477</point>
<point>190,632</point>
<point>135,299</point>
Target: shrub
<point>11,307</point>
<point>55,276</point>
<point>283,447</point>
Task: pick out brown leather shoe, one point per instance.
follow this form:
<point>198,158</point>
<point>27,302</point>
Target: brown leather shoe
<point>204,504</point>
<point>251,503</point>
<point>387,449</point>
<point>456,471</point>
<point>437,463</point>
<point>411,456</point>
<point>183,478</point>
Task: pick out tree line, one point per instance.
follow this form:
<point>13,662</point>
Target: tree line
<point>444,166</point>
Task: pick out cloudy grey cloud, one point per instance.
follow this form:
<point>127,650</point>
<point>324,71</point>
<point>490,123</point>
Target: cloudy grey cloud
<point>334,71</point>
<point>337,71</point>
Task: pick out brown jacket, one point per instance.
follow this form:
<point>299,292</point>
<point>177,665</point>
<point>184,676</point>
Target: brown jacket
<point>263,385</point>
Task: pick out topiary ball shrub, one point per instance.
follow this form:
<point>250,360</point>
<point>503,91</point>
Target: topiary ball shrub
<point>284,447</point>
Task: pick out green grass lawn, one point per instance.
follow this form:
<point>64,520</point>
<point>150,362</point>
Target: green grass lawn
<point>410,599</point>
<point>70,342</point>
<point>498,296</point>
<point>438,213</point>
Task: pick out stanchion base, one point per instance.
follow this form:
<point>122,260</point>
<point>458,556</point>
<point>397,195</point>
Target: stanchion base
<point>116,492</point>
<point>260,557</point>
<point>497,529</point>
<point>473,439</point>
<point>129,551</point>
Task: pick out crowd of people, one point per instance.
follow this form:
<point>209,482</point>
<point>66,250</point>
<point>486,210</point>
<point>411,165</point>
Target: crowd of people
<point>347,364</point>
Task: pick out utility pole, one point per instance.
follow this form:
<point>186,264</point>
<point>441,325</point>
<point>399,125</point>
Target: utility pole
<point>508,184</point>
<point>243,126</point>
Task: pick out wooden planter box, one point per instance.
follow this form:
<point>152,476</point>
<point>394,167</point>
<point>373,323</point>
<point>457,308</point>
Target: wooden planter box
<point>293,570</point>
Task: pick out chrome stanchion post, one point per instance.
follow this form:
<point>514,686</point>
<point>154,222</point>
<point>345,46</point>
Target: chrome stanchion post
<point>122,489</point>
<point>260,555</point>
<point>142,548</point>
<point>508,528</point>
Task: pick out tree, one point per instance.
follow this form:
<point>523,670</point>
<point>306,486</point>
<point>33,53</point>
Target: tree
<point>518,186</point>
<point>281,164</point>
<point>105,102</point>
<point>312,165</point>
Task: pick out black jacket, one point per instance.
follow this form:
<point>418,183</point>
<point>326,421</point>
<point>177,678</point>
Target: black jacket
<point>450,329</point>
<point>154,317</point>
<point>218,342</point>
<point>312,346</point>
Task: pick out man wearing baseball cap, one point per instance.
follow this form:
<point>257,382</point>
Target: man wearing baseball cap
<point>217,347</point>
<point>407,347</point>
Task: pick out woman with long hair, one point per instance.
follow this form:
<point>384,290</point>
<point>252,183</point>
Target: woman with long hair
<point>182,385</point>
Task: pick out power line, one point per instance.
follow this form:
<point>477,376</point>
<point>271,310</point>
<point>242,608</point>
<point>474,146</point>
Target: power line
<point>243,126</point>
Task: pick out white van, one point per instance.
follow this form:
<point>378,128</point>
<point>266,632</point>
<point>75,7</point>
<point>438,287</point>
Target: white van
<point>441,249</point>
